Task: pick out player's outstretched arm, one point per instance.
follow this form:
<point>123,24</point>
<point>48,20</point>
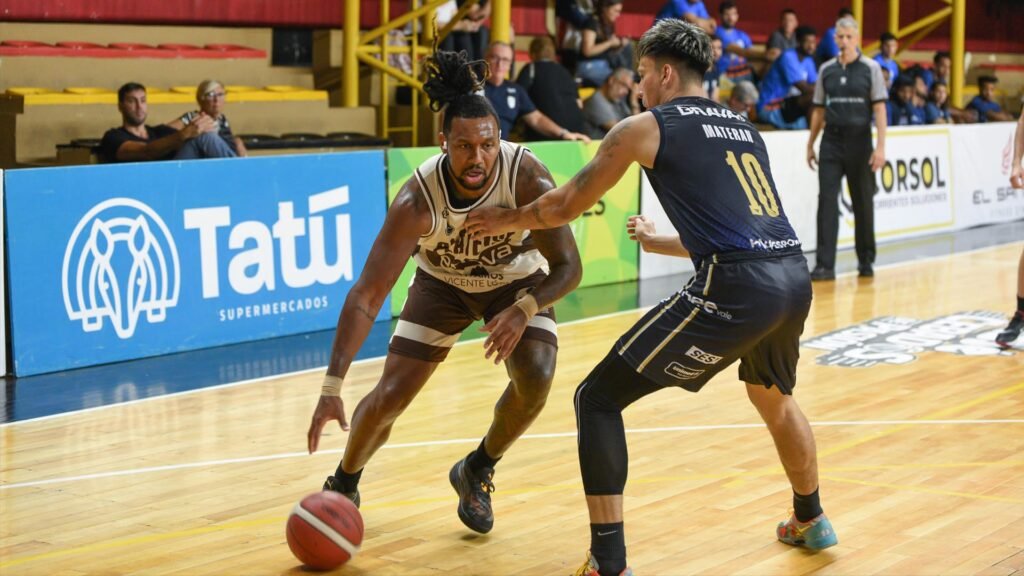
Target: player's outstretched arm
<point>564,268</point>
<point>407,219</point>
<point>635,139</point>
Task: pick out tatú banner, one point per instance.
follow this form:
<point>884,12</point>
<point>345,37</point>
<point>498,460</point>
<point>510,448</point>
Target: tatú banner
<point>607,253</point>
<point>125,261</point>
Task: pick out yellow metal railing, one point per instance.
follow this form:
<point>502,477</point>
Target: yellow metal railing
<point>913,33</point>
<point>359,48</point>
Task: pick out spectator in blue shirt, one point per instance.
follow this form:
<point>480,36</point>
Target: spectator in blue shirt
<point>787,89</point>
<point>827,48</point>
<point>942,65</point>
<point>984,103</point>
<point>887,57</point>
<point>511,102</point>
<point>736,45</point>
<point>692,11</point>
<point>936,110</point>
<point>902,111</point>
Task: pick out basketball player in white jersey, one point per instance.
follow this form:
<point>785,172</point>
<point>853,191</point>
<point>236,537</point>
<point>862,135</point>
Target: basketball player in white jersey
<point>511,280</point>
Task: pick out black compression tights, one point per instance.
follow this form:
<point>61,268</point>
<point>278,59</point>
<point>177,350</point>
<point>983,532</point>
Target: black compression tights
<point>599,400</point>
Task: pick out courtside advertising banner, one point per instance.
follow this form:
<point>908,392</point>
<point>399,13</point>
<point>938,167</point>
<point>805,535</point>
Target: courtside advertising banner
<point>935,179</point>
<point>914,187</point>
<point>984,157</point>
<point>125,261</point>
<point>607,253</point>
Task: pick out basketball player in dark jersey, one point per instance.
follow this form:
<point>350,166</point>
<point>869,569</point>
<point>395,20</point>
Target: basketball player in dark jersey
<point>748,301</point>
<point>510,281</point>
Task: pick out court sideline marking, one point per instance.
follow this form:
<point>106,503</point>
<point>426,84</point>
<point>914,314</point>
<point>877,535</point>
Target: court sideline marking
<point>897,425</point>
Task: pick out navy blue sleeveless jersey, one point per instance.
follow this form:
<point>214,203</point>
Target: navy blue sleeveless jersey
<point>712,177</point>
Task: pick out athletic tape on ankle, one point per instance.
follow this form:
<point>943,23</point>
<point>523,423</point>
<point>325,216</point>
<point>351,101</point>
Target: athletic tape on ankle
<point>331,386</point>
<point>528,304</point>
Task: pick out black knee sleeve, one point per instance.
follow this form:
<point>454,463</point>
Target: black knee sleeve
<point>599,401</point>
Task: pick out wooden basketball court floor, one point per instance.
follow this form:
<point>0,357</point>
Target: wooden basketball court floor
<point>921,458</point>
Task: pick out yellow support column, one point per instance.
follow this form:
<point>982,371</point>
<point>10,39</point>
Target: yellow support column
<point>501,21</point>
<point>894,16</point>
<point>349,56</point>
<point>857,7</point>
<point>956,44</point>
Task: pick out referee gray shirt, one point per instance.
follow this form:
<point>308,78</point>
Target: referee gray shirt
<point>848,92</point>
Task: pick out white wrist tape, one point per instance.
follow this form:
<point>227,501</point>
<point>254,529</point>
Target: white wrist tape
<point>528,304</point>
<point>331,386</point>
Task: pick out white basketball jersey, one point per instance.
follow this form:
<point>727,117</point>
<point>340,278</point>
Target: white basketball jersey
<point>482,264</point>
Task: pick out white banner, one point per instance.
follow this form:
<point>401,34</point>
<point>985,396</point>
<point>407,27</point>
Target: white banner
<point>936,179</point>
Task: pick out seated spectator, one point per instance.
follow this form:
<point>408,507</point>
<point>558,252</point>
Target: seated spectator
<point>210,95</point>
<point>936,110</point>
<point>711,77</point>
<point>942,67</point>
<point>511,102</point>
<point>789,85</point>
<point>984,103</point>
<point>615,100</point>
<point>693,11</point>
<point>551,87</point>
<point>736,45</point>
<point>134,141</point>
<point>602,50</point>
<point>887,57</point>
<point>469,33</point>
<point>744,98</point>
<point>827,48</point>
<point>902,111</point>
<point>572,15</point>
<point>784,37</point>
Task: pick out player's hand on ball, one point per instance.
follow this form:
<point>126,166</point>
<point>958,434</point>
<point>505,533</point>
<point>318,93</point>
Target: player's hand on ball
<point>327,409</point>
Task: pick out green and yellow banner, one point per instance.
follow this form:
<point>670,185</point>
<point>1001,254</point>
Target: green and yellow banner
<point>608,254</point>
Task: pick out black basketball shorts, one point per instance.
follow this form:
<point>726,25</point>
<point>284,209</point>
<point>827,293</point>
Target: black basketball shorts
<point>744,307</point>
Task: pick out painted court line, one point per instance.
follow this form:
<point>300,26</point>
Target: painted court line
<point>474,441</point>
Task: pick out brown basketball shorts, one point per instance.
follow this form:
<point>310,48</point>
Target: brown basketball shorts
<point>436,313</point>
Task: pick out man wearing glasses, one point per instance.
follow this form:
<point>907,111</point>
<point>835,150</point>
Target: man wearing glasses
<point>210,95</point>
<point>617,99</point>
<point>511,101</point>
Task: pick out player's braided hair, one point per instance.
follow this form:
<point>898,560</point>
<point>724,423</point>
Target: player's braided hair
<point>453,81</point>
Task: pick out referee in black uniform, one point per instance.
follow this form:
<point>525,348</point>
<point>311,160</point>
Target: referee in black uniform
<point>850,87</point>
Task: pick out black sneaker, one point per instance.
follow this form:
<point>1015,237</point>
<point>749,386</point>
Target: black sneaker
<point>474,496</point>
<point>865,271</point>
<point>821,273</point>
<point>334,485</point>
<point>1012,330</point>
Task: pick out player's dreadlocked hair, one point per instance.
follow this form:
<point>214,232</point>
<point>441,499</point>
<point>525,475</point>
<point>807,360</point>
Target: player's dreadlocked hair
<point>679,41</point>
<point>452,82</point>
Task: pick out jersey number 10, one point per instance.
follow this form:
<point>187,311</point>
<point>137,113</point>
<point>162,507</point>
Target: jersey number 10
<point>751,174</point>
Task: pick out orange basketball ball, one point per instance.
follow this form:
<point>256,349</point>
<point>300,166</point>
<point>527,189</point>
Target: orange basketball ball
<point>325,530</point>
